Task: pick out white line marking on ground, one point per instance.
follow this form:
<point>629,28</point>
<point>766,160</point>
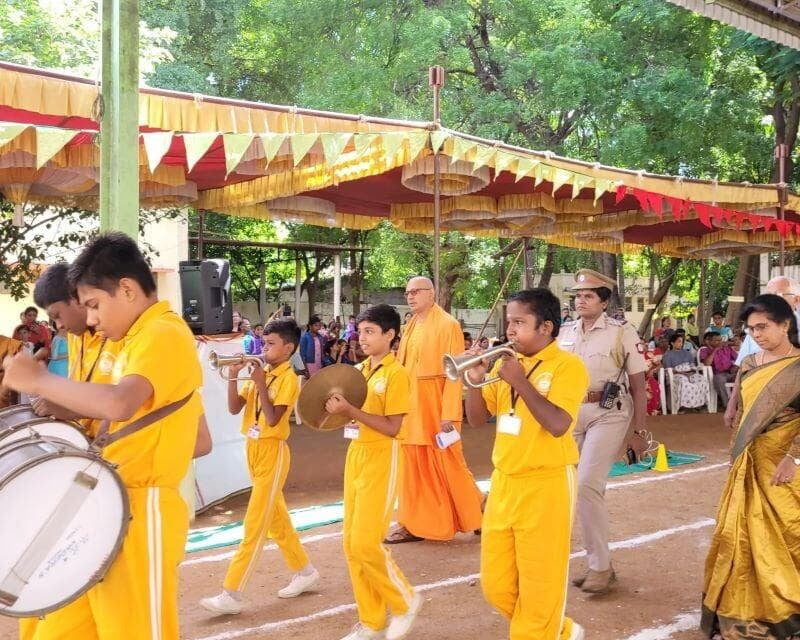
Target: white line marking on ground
<point>220,557</point>
<point>666,476</point>
<point>456,580</point>
<point>683,622</point>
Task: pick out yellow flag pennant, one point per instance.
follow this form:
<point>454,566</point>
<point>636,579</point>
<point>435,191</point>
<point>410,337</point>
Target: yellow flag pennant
<point>417,141</point>
<point>301,145</point>
<point>236,145</point>
<point>502,161</point>
<point>49,141</point>
<point>461,148</point>
<point>156,145</point>
<point>333,144</point>
<point>197,145</point>
<point>363,141</point>
<point>10,131</point>
<point>391,143</point>
<point>560,178</point>
<point>600,187</point>
<point>437,140</point>
<point>272,142</point>
<point>524,167</point>
<point>579,183</point>
<point>483,156</point>
<point>541,173</point>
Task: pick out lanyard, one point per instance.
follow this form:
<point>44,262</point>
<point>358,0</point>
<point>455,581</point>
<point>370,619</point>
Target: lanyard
<point>94,364</point>
<point>515,395</point>
<point>258,398</point>
<point>373,372</point>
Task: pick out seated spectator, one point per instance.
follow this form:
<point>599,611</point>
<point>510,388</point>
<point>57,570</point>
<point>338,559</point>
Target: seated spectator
<point>652,358</point>
<point>665,329</point>
<point>335,353</point>
<point>237,321</point>
<point>688,345</point>
<point>59,354</point>
<point>692,330</point>
<point>721,358</point>
<point>719,327</point>
<point>690,387</point>
<point>39,334</point>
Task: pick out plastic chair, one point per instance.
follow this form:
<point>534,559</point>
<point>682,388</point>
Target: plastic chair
<point>708,372</point>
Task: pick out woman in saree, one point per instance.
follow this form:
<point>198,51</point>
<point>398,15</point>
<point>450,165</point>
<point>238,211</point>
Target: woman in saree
<point>752,574</point>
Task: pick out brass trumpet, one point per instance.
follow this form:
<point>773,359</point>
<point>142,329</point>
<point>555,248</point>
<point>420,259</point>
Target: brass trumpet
<point>456,367</point>
<point>220,363</point>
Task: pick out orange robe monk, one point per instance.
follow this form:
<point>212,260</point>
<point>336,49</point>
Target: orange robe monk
<point>438,495</point>
<point>8,347</point>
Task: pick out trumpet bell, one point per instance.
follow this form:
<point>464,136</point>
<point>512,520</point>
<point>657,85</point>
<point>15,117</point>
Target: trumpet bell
<point>456,367</point>
<point>220,363</point>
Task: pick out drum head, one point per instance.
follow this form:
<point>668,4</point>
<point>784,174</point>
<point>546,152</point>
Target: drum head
<point>34,480</point>
<point>15,414</point>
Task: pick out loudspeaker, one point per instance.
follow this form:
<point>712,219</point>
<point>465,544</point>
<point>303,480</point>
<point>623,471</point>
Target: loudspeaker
<point>205,292</point>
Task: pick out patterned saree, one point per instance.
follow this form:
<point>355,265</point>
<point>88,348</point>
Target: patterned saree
<point>752,573</point>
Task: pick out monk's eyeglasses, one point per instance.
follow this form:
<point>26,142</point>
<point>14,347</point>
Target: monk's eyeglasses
<point>412,292</point>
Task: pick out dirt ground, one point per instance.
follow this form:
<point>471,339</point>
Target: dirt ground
<point>660,524</point>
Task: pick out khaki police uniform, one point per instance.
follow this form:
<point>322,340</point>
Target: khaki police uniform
<point>600,433</point>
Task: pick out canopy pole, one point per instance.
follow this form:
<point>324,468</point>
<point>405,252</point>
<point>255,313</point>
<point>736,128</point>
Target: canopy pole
<point>298,288</point>
<point>781,153</point>
<point>337,285</point>
<point>119,117</point>
<point>527,280</point>
<point>436,82</point>
<point>201,223</point>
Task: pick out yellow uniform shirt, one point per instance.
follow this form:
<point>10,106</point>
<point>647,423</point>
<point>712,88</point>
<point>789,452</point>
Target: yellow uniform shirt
<point>283,388</point>
<point>161,348</point>
<point>91,358</point>
<point>388,394</point>
<point>562,379</point>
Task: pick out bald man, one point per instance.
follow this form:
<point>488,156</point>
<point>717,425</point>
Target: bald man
<point>438,495</point>
<point>789,290</point>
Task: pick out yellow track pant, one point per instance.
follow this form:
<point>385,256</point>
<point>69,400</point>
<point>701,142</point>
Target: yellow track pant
<point>267,515</point>
<point>138,597</point>
<point>370,491</point>
<point>525,549</point>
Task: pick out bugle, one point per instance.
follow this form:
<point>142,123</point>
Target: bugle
<point>220,363</point>
<point>456,367</point>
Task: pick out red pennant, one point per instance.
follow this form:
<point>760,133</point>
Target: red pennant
<point>643,197</point>
<point>704,213</point>
<point>769,222</point>
<point>622,191</point>
<point>716,213</point>
<point>677,207</point>
<point>783,227</point>
<point>738,219</point>
<point>755,221</point>
<point>656,204</point>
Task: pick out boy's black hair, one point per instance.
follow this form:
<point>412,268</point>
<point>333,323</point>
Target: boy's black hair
<point>680,331</point>
<point>53,286</point>
<point>718,313</point>
<point>543,304</point>
<point>709,334</point>
<point>286,329</point>
<point>109,258</point>
<point>384,315</point>
<point>29,309</point>
<point>467,335</point>
<point>257,326</point>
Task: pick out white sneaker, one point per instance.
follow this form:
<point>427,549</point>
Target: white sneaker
<point>577,632</point>
<point>360,632</point>
<point>223,605</point>
<point>399,626</point>
<point>299,584</point>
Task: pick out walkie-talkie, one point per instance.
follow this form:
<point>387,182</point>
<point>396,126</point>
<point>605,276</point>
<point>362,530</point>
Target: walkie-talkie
<point>611,389</point>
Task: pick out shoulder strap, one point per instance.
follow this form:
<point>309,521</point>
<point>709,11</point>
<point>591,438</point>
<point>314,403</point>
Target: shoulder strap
<point>104,438</point>
<point>618,350</point>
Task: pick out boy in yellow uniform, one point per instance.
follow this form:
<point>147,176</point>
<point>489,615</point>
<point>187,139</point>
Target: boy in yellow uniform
<point>370,482</point>
<point>528,517</point>
<point>91,359</point>
<point>267,400</point>
<point>156,369</point>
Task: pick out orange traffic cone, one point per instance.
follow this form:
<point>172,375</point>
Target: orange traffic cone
<point>661,459</point>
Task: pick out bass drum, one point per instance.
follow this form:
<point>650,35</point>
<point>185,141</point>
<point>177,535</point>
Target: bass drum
<point>19,422</point>
<point>66,515</point>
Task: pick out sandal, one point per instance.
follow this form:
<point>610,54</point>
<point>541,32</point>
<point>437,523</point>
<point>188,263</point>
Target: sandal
<point>401,535</point>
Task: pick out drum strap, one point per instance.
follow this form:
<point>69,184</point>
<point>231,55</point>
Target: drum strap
<point>104,438</point>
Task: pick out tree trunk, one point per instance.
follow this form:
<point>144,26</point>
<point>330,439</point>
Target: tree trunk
<point>262,292</point>
<point>356,273</point>
<point>651,292</point>
<point>549,265</point>
<point>621,282</point>
<point>745,285</point>
<point>660,294</point>
<point>607,265</point>
<point>712,290</point>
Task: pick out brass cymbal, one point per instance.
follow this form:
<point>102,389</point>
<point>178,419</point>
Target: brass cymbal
<point>337,378</point>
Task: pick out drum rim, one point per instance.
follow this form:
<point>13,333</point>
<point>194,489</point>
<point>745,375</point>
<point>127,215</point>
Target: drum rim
<point>6,431</point>
<point>15,408</point>
<point>99,574</point>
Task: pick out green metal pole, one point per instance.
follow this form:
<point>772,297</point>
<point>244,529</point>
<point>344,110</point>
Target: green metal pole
<point>119,124</point>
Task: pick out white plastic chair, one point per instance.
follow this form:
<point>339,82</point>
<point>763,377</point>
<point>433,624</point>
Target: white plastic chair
<point>708,372</point>
<point>662,390</point>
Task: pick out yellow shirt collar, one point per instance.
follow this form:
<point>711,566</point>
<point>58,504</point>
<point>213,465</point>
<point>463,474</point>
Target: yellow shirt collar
<point>150,314</point>
<point>388,359</point>
<point>548,353</point>
<point>278,370</point>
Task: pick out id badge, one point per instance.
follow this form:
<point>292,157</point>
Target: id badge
<point>254,432</point>
<point>351,431</point>
<point>509,424</point>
